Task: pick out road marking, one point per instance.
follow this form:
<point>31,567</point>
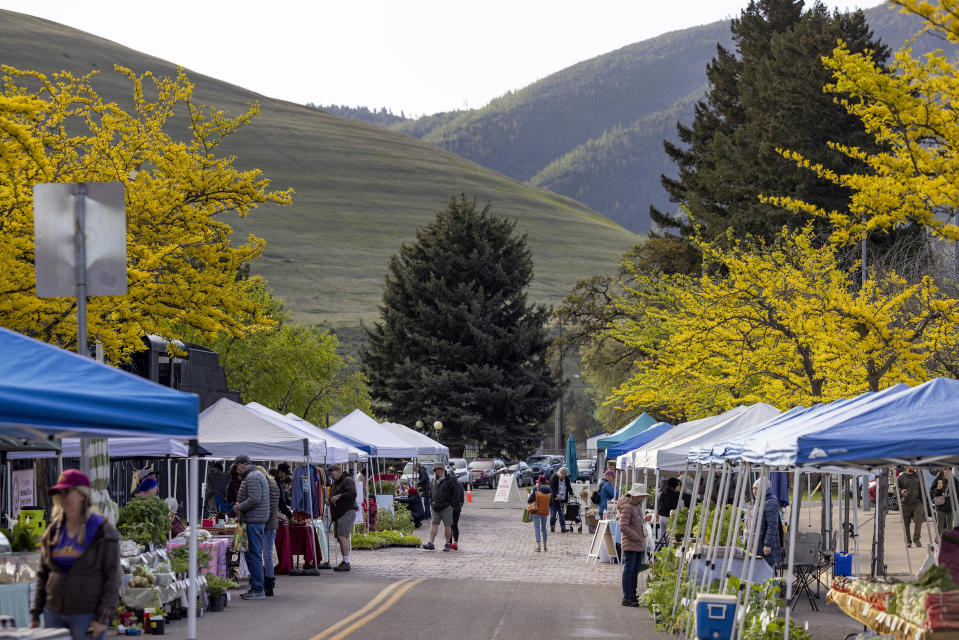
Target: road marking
<point>394,592</point>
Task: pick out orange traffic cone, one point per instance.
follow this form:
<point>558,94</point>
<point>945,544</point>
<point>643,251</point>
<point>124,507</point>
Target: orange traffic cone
<point>469,495</point>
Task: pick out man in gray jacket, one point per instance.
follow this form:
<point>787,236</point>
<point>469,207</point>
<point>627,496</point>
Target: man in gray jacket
<point>253,507</point>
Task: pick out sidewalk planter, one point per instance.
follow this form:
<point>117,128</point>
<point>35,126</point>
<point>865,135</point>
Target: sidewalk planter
<point>715,616</point>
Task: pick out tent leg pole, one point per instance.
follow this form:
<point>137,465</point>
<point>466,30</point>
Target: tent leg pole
<point>903,518</point>
<point>191,506</point>
<point>688,529</point>
<point>734,521</point>
<point>753,540</point>
<point>927,508</point>
<point>169,483</point>
<point>694,586</point>
<point>793,524</point>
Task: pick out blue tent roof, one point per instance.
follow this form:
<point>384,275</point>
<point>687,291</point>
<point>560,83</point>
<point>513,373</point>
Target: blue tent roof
<point>640,424</point>
<point>638,440</point>
<point>904,424</point>
<point>48,391</point>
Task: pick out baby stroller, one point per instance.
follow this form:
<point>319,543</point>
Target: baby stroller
<point>573,508</point>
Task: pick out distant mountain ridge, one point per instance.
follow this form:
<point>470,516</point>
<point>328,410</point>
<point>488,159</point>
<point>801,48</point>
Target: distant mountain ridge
<point>361,190</point>
<point>594,131</point>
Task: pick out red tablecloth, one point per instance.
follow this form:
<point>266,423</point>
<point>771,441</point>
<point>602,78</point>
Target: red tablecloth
<point>294,540</point>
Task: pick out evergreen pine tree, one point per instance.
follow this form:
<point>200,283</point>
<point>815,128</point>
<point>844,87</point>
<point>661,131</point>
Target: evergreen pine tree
<point>768,96</point>
<point>457,340</point>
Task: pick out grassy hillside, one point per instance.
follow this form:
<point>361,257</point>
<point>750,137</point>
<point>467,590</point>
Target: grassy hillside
<point>594,131</point>
<point>361,191</point>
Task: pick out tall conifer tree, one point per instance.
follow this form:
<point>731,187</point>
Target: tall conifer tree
<point>768,95</point>
<point>457,340</point>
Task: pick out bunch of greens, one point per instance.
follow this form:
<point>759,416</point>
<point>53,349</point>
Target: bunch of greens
<point>21,538</point>
<point>399,520</point>
<point>180,559</point>
<point>382,488</point>
<point>217,585</point>
<point>145,519</point>
<point>909,598</point>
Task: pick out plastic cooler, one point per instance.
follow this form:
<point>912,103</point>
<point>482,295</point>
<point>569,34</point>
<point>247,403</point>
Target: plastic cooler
<point>843,564</point>
<point>715,616</point>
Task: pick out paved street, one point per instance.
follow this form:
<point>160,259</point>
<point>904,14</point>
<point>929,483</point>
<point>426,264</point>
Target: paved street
<point>496,587</point>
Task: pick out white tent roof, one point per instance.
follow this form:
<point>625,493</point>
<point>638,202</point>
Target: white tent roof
<point>332,440</point>
<point>369,435</point>
<point>671,450</point>
<point>119,447</point>
<point>334,453</point>
<point>424,444</point>
<point>228,429</point>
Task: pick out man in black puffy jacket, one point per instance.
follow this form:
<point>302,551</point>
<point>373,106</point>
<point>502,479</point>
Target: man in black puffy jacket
<point>442,499</point>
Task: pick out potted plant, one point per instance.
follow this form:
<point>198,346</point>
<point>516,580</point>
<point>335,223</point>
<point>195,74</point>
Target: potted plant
<point>216,587</point>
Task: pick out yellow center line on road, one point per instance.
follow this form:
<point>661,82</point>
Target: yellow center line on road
<point>394,591</point>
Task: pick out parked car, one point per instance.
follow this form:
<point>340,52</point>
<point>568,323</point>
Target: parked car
<point>461,469</point>
<point>587,469</point>
<point>546,465</point>
<point>486,471</point>
<point>411,477</point>
<point>524,475</point>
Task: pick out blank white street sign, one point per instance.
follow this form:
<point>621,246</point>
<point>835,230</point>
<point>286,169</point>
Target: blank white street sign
<point>54,224</point>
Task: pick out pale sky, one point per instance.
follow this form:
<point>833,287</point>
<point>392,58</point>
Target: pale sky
<point>419,56</point>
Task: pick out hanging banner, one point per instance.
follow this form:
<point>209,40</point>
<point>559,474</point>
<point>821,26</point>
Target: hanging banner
<point>22,491</point>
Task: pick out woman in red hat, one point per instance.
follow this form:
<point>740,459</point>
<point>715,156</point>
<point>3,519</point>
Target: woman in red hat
<point>78,583</point>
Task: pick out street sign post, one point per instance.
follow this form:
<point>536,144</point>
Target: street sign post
<point>80,248</point>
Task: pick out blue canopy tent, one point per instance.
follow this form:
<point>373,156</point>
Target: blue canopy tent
<point>638,440</point>
<point>915,425</point>
<point>46,391</point>
<point>640,424</point>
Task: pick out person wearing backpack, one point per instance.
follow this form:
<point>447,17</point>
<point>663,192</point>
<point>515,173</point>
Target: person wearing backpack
<point>606,491</point>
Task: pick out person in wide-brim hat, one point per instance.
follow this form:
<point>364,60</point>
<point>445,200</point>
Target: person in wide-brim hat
<point>633,535</point>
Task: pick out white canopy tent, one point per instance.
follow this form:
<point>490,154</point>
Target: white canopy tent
<point>337,451</point>
<point>424,444</point>
<point>670,451</point>
<point>367,434</point>
<point>228,429</point>
<point>353,454</point>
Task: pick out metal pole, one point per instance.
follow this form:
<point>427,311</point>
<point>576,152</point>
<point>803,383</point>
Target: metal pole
<point>752,541</point>
<point>80,273</point>
<point>741,487</point>
<point>793,525</point>
<point>927,508</point>
<point>191,500</point>
<point>689,525</point>
<point>903,518</point>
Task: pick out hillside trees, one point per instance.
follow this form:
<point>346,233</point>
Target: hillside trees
<point>768,95</point>
<point>783,323</point>
<point>291,368</point>
<point>457,340</point>
<point>182,263</point>
<point>914,179</point>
